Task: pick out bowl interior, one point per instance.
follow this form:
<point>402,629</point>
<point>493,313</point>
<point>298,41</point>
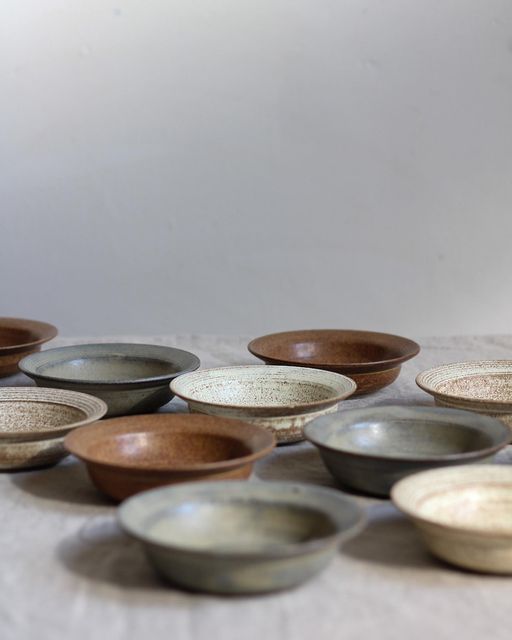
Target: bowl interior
<point>107,368</point>
<point>408,438</point>
<point>238,526</point>
<point>484,386</point>
<point>246,388</point>
<point>484,507</point>
<point>331,347</point>
<point>32,417</point>
<point>164,449</point>
<point>10,336</point>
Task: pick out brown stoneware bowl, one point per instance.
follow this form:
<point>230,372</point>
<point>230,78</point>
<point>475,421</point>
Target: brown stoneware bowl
<point>131,454</point>
<point>18,338</point>
<point>371,359</point>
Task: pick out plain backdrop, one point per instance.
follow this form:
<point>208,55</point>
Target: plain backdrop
<point>244,166</point>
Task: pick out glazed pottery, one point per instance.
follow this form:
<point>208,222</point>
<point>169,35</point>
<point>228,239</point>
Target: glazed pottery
<point>484,386</point>
<point>463,514</point>
<point>240,537</point>
<point>18,338</point>
<point>282,399</point>
<point>370,449</point>
<point>130,378</point>
<point>370,358</point>
<point>127,455</point>
<point>33,423</point>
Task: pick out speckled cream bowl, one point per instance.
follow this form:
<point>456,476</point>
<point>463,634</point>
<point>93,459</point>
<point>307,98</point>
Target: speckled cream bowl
<point>33,423</point>
<point>464,514</point>
<point>280,398</point>
<point>484,386</point>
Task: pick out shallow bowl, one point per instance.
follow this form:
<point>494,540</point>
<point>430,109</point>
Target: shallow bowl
<point>370,449</point>
<point>33,423</point>
<point>282,399</point>
<point>483,386</point>
<point>130,378</point>
<point>18,338</point>
<point>371,359</point>
<point>127,455</point>
<point>240,537</point>
<point>464,514</point>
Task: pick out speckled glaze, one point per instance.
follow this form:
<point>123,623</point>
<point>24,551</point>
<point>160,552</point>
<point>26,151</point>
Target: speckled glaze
<point>370,358</point>
<point>18,338</point>
<point>483,386</point>
<point>131,454</point>
<point>240,537</point>
<point>370,449</point>
<point>281,399</point>
<point>463,514</point>
<point>33,423</point>
<point>130,378</point>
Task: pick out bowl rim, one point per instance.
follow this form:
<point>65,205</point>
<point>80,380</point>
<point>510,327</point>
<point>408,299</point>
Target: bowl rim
<point>361,367</point>
<point>412,513</point>
<point>428,388</point>
<point>46,330</point>
<point>449,457</point>
<point>277,410</point>
<point>277,551</point>
<point>163,422</point>
<point>27,366</point>
<point>95,409</point>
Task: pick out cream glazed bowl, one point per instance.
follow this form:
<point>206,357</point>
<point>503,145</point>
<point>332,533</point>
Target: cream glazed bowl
<point>34,421</point>
<point>464,514</point>
<point>280,398</point>
<point>484,386</point>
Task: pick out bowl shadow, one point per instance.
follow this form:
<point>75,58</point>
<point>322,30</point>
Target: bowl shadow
<point>67,482</point>
<point>390,540</point>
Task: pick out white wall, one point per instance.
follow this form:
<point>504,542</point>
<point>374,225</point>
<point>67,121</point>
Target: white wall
<point>243,166</point>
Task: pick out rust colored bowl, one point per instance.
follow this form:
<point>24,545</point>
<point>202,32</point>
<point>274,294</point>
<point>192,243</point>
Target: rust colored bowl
<point>19,338</point>
<point>131,454</point>
<point>371,359</point>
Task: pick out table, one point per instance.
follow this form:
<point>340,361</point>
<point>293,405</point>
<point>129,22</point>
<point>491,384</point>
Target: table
<point>67,571</point>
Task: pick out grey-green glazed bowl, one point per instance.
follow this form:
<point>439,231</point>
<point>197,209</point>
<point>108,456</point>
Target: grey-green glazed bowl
<point>130,378</point>
<point>371,449</point>
<point>240,537</point>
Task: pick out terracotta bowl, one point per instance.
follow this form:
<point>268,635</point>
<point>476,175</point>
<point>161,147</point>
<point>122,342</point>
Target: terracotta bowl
<point>484,386</point>
<point>127,455</point>
<point>33,423</point>
<point>463,514</point>
<point>371,359</point>
<point>130,378</point>
<point>281,399</point>
<point>240,537</point>
<point>18,338</point>
<point>370,449</point>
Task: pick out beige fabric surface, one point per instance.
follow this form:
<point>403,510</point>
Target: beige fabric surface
<point>67,571</point>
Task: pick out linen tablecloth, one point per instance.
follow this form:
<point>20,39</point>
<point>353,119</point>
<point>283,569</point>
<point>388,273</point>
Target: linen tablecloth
<point>67,571</point>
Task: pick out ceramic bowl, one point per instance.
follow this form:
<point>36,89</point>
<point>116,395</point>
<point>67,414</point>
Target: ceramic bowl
<point>127,455</point>
<point>370,449</point>
<point>281,399</point>
<point>130,378</point>
<point>371,359</point>
<point>240,537</point>
<point>484,386</point>
<point>18,338</point>
<point>33,423</point>
<point>463,514</point>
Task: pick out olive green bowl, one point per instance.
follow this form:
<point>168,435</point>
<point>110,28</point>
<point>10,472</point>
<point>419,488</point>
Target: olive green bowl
<point>236,537</point>
<point>370,449</point>
<point>130,378</point>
